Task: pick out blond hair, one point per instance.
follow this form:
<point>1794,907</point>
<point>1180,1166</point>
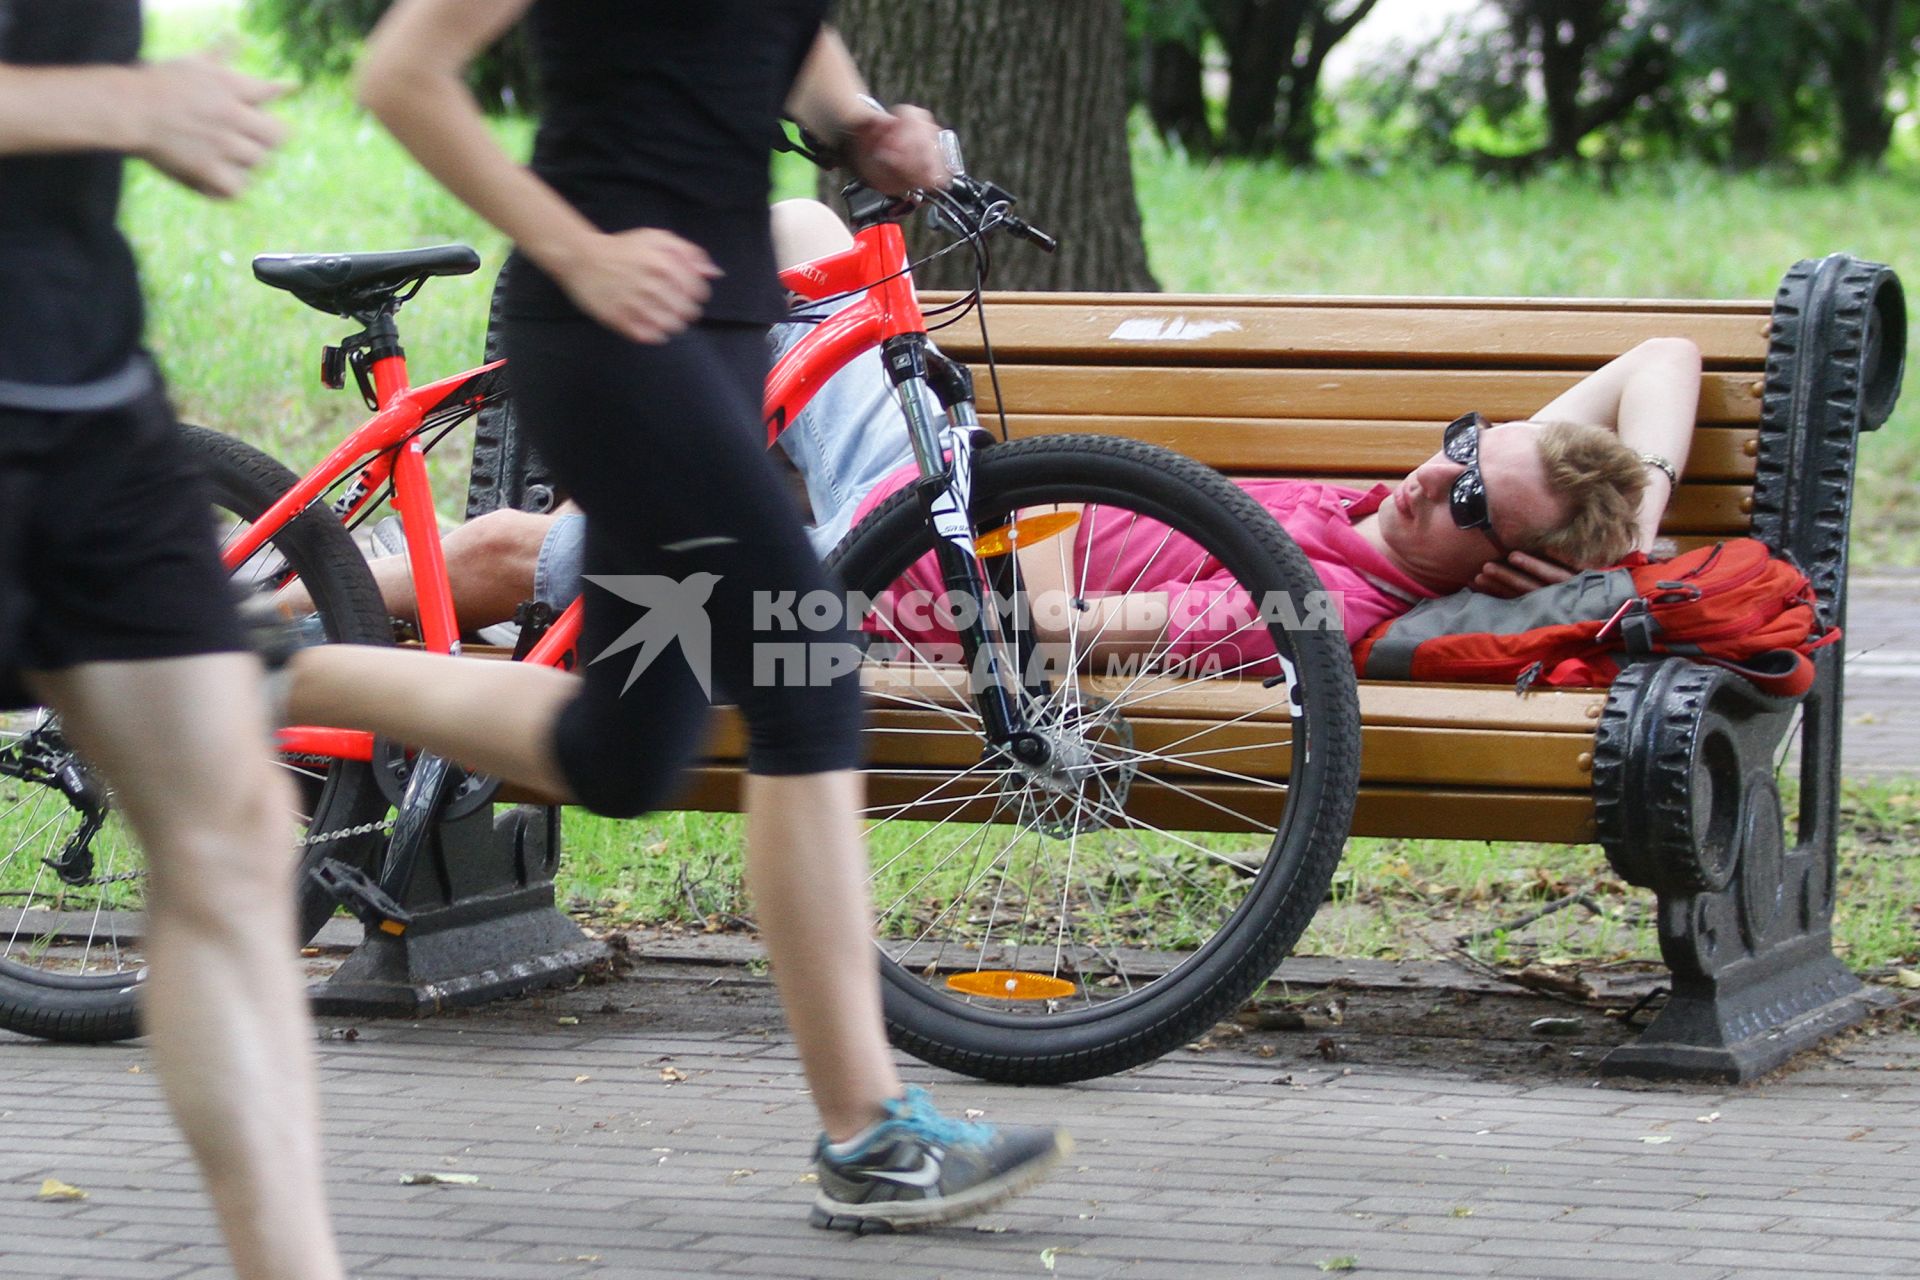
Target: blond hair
<point>1601,480</point>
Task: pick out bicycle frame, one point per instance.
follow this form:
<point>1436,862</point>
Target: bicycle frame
<point>388,448</point>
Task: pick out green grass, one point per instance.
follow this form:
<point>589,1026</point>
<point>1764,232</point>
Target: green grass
<point>243,358</point>
<point>1392,899</point>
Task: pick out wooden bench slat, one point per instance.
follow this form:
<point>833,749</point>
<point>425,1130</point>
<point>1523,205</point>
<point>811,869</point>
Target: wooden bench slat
<point>1324,446</point>
<point>1159,332</point>
<point>999,300</point>
<point>1450,814</point>
<point>1434,396</point>
<point>1481,706</point>
<point>1440,813</point>
<point>1390,702</point>
<point>1460,757</point>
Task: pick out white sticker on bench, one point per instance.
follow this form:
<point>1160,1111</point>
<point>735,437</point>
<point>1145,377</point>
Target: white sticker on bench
<point>1178,329</point>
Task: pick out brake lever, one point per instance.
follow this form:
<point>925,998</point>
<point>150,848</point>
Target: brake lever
<point>1032,235</point>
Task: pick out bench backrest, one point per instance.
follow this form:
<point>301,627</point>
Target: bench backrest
<point>1356,390</point>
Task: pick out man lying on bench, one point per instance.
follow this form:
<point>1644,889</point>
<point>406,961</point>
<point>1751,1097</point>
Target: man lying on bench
<point>1503,508</point>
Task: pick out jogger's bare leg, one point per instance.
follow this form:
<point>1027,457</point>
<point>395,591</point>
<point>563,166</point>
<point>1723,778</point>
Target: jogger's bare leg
<point>495,717</point>
<point>807,870</point>
<point>183,743</point>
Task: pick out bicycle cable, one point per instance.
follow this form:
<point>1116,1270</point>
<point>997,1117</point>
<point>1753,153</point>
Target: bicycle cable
<point>982,263</point>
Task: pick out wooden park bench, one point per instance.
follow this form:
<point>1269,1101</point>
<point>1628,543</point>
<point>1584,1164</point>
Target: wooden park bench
<point>1672,770</point>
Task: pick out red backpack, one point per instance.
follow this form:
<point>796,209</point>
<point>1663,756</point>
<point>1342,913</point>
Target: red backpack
<point>1734,604</point>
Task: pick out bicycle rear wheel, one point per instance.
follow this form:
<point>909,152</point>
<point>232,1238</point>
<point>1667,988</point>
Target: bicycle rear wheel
<point>73,878</point>
<point>1053,923</point>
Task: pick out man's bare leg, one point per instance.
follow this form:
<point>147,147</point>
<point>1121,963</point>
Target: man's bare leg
<point>183,743</point>
<point>490,566</point>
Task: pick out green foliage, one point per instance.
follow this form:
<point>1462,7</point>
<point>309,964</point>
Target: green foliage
<point>319,38</point>
<point>1183,21</point>
<point>1742,83</point>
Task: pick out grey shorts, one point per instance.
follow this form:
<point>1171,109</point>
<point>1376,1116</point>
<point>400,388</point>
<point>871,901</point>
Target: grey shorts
<point>562,559</point>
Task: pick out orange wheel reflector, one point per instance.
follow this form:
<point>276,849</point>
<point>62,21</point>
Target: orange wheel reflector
<point>1008,984</point>
<point>1025,533</point>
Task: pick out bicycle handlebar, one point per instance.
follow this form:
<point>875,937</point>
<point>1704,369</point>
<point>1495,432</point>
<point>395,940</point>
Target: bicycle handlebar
<point>989,205</point>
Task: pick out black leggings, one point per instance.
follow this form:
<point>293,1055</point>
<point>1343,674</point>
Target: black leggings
<point>663,448</point>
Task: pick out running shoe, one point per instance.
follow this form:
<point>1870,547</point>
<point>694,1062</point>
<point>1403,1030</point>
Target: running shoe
<point>918,1168</point>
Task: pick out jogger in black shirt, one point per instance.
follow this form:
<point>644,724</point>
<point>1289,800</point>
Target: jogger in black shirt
<point>636,310</point>
<point>113,606</point>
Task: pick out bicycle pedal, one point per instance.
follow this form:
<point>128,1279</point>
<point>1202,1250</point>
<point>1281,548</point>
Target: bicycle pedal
<point>359,893</point>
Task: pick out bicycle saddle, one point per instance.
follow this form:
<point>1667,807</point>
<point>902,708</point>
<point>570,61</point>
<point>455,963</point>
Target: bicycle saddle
<point>353,284</point>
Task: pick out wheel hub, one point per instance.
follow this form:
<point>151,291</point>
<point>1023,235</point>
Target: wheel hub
<point>1084,783</point>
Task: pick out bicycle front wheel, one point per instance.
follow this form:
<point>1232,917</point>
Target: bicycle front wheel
<point>1067,919</point>
<point>73,878</point>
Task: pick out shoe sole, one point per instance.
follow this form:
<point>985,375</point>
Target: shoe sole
<point>917,1215</point>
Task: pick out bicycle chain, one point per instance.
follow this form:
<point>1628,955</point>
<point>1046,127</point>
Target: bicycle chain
<point>346,833</point>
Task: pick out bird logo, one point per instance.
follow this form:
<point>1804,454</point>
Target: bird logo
<point>676,609</point>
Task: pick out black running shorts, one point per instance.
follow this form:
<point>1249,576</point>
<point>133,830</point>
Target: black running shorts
<point>106,544</point>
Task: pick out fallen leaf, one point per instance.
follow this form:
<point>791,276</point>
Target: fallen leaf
<point>581,1079</point>
<point>134,1070</point>
<point>437,1179</point>
<point>1461,1211</point>
<point>1046,1258</point>
<point>1345,1262</point>
<point>1708,1118</point>
<point>672,1074</point>
<point>1655,1139</point>
<point>567,1020</point>
<point>54,1189</point>
<point>1908,978</point>
<point>1556,1026</point>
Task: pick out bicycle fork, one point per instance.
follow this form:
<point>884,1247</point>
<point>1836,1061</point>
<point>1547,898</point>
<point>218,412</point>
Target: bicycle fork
<point>944,454</point>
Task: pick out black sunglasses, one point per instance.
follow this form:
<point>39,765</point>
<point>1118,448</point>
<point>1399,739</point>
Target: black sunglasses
<point>1467,500</point>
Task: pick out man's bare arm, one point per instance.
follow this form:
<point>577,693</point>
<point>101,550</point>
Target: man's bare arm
<point>197,121</point>
<point>1651,396</point>
<point>54,109</point>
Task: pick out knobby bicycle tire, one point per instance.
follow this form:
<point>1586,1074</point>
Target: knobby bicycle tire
<point>55,994</point>
<point>1130,1003</point>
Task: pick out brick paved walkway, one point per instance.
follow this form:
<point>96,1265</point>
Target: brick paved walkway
<point>1882,735</point>
<point>593,1161</point>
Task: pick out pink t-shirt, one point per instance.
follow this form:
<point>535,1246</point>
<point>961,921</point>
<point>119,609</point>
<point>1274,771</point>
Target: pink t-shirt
<point>1207,611</point>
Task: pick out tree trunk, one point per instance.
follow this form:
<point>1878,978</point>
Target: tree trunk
<point>1260,36</point>
<point>1176,100</point>
<point>1755,135</point>
<point>1859,66</point>
<point>1037,91</point>
<point>1300,130</point>
<point>1564,43</point>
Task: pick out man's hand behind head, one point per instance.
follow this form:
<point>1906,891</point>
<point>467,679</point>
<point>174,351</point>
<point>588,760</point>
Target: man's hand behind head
<point>1518,574</point>
<point>205,123</point>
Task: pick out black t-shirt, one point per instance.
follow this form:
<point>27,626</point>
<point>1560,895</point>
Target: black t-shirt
<point>69,297</point>
<point>661,113</point>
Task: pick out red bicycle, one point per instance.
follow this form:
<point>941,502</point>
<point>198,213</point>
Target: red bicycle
<point>1063,874</point>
